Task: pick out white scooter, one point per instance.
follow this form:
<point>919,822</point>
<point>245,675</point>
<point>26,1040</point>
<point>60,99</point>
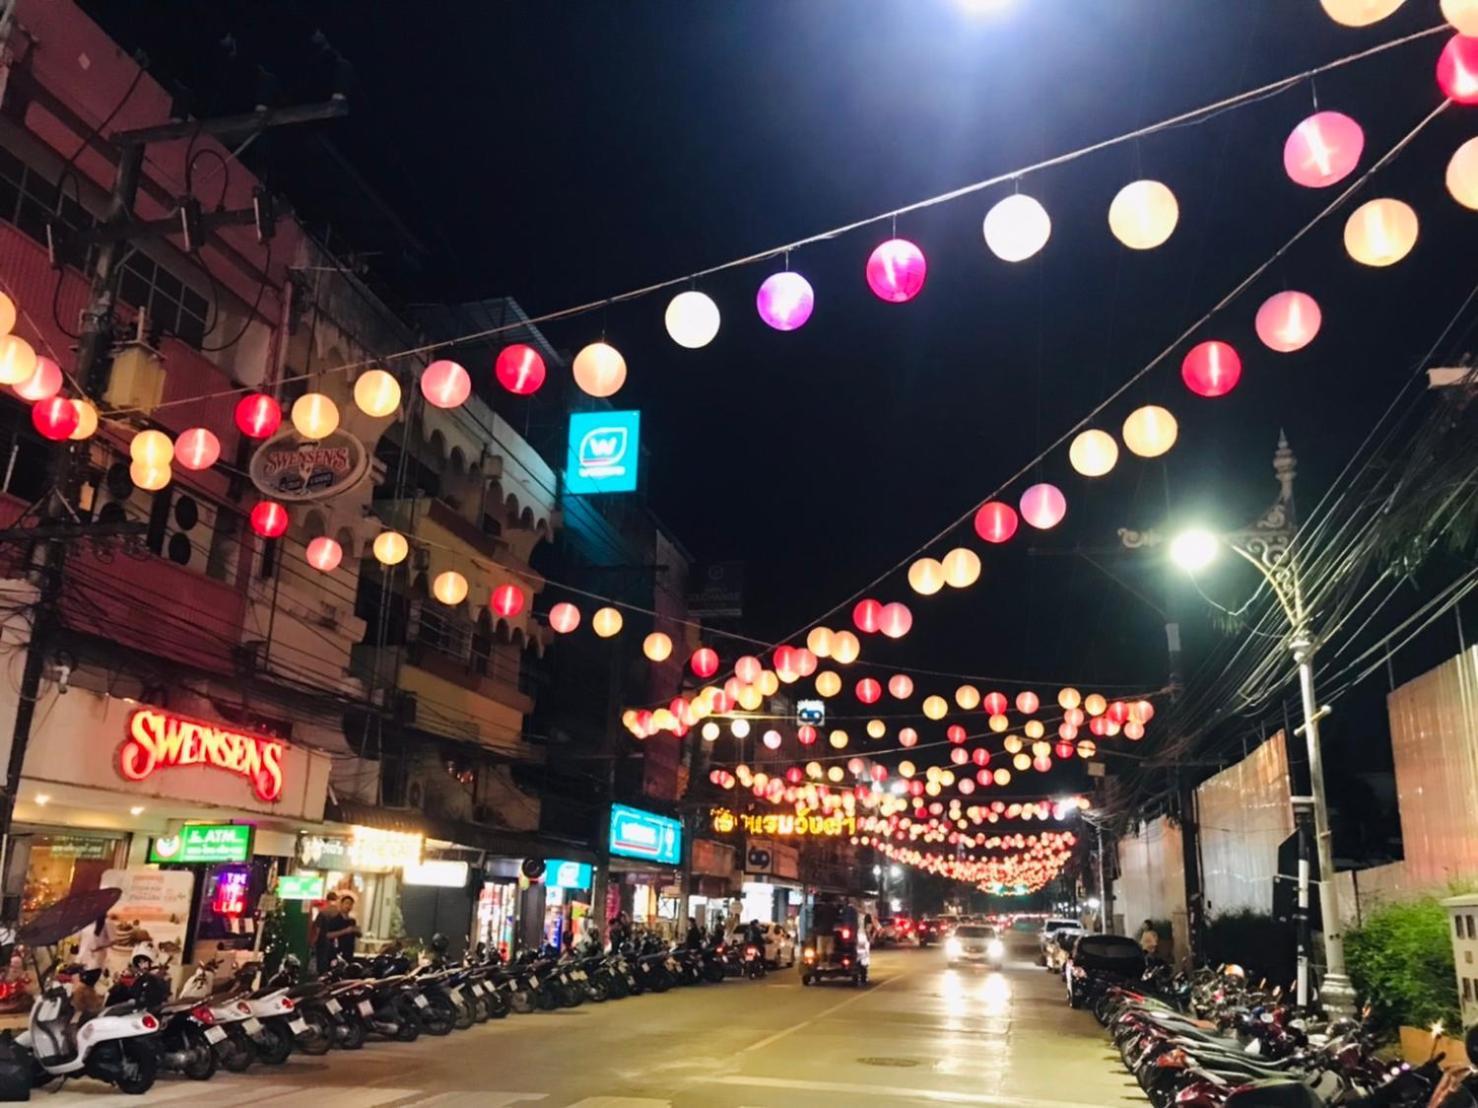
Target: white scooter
<point>269,1022</point>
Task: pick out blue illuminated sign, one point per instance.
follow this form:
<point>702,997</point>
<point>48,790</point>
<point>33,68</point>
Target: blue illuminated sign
<point>604,452</point>
<point>567,875</point>
<point>645,835</point>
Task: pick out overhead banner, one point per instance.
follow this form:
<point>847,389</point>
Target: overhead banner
<point>604,452</point>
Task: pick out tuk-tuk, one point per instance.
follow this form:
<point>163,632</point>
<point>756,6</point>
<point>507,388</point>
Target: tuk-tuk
<point>836,946</point>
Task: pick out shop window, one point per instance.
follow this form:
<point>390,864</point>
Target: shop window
<point>59,865</point>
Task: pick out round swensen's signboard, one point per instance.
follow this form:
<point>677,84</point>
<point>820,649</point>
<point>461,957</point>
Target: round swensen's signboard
<point>289,467</point>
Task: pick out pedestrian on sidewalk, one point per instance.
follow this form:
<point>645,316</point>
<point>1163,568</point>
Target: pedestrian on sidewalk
<point>1149,940</point>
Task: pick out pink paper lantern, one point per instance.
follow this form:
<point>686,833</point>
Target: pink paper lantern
<point>323,553</point>
<point>805,734</point>
<point>1027,702</point>
<point>895,271</point>
<point>785,300</point>
<point>994,704</point>
<point>748,669</point>
<point>1323,150</point>
<point>980,756</point>
<point>1457,70</point>
<point>1288,321</point>
<point>895,620</point>
<point>197,448</point>
<point>44,382</point>
<point>900,686</point>
<point>1211,368</point>
<point>908,737</point>
<point>1043,506</point>
<point>445,384</point>
<point>995,522</point>
<point>564,617</point>
<point>956,734</point>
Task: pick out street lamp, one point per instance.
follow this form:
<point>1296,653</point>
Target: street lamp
<point>1268,550</point>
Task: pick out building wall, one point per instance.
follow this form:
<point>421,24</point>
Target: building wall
<point>1151,882</point>
<point>1243,814</point>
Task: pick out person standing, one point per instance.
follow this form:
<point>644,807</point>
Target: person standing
<point>1149,940</point>
<point>695,934</point>
<point>93,943</point>
<point>346,931</point>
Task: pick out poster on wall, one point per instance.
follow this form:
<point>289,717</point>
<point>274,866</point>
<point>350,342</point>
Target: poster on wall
<point>154,910</point>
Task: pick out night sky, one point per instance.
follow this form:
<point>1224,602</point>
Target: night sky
<point>562,153</point>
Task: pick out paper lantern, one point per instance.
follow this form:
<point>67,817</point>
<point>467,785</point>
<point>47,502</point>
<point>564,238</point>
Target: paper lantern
<point>959,756</point>
<point>1359,13</point>
<point>998,724</point>
<point>787,663</point>
<point>748,669</point>
<point>704,662</point>
<point>1087,748</point>
<point>87,420</point>
<point>152,448</point>
<point>995,703</point>
<point>907,737</point>
<point>819,641</point>
<point>520,369</point>
<point>1381,232</point>
<point>995,521</point>
<point>55,418</point>
<point>772,740</point>
<point>153,478</point>
<point>1069,698</point>
<point>445,384</point>
<point>268,518</point>
<point>1462,14</point>
<point>868,690</point>
<point>866,615</point>
<point>805,734</point>
<point>895,620</point>
<point>1003,776</point>
<point>1118,711</point>
<point>1323,150</point>
<point>1022,761</point>
<point>508,600</point>
<point>1093,453</point>
<point>197,448</point>
<point>600,370</point>
<point>1034,728</point>
<point>1211,368</point>
<point>1027,702</point>
<point>926,576</point>
<point>258,415</point>
<point>876,729</point>
<point>980,756</point>
<point>323,553</point>
<point>1094,704</point>
<point>750,698</point>
<point>1462,173</point>
<point>564,617</point>
<point>377,393</point>
<point>900,686</point>
<point>907,768</point>
<point>838,740</point>
<point>1150,431</point>
<point>17,360</point>
<point>656,646</point>
<point>315,416</point>
<point>1143,214</point>
<point>967,697</point>
<point>1075,716</point>
<point>828,683</point>
<point>606,622</point>
<point>895,271</point>
<point>1016,228</point>
<point>1457,69</point>
<point>1068,731</point>
<point>1288,321</point>
<point>961,568</point>
<point>935,707</point>
<point>7,314</point>
<point>785,300</point>
<point>390,548</point>
<point>1043,506</point>
<point>805,662</point>
<point>710,734</point>
<point>44,382</point>
<point>845,649</point>
<point>956,734</point>
<point>450,587</point>
<point>691,319</point>
<point>1133,731</point>
<point>1141,711</point>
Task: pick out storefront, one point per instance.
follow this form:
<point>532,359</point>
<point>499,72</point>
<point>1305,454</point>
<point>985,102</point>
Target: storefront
<point>496,923</point>
<point>714,889</point>
<point>772,889</point>
<point>364,863</point>
<point>645,849</point>
<point>567,888</point>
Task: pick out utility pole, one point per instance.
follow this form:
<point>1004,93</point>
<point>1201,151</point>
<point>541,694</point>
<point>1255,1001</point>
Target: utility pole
<point>1303,809</point>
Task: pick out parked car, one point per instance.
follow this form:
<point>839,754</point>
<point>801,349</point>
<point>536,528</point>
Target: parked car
<point>1046,938</point>
<point>895,930</point>
<point>1099,962</point>
<point>779,943</point>
<point>975,944</point>
<point>927,931</point>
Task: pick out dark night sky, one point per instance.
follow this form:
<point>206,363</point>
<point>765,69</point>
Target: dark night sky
<point>560,153</point>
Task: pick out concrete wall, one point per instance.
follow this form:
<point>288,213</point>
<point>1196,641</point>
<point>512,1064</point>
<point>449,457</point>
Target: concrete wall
<point>1151,882</point>
<point>1244,813</point>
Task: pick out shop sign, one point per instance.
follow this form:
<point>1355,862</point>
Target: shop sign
<point>291,468</point>
<point>230,895</point>
<point>811,712</point>
<point>81,847</point>
<point>803,822</point>
<point>367,849</point>
<point>438,873</point>
<point>604,449</point>
<point>204,843</point>
<point>645,835</point>
<point>568,875</point>
<point>159,740</point>
<point>300,886</point>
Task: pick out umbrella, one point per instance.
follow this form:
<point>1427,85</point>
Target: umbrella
<point>66,917</point>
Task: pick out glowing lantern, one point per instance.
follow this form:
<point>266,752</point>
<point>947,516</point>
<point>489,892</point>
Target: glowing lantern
<point>907,737</point>
<point>895,271</point>
<point>324,554</point>
<point>1150,431</point>
<point>1027,702</point>
<point>450,587</point>
<point>926,576</point>
<point>197,448</point>
<point>1211,368</point>
<point>907,769</point>
<point>268,518</point>
<point>1118,711</point>
<point>520,369</point>
<point>508,600</point>
<point>1069,698</point>
<point>900,686</point>
<point>747,669</point>
<point>787,663</point>
<point>1094,704</point>
<point>1063,749</point>
<point>1462,174</point>
<point>1042,765</point>
<point>1359,13</point>
<point>838,740</point>
<point>44,382</point>
<point>828,683</point>
<point>377,393</point>
<point>956,734</point>
<point>87,420</point>
<point>17,360</point>
<point>7,314</point>
<point>785,300</point>
<point>600,370</point>
<point>1323,150</point>
<point>967,697</point>
<point>819,641</point>
<point>1093,453</point>
<point>1288,321</point>
<point>895,620</point>
<point>805,662</point>
<point>258,415</point>
<point>768,684</point>
<point>710,733</point>
<point>1087,748</point>
<point>1003,776</point>
<point>845,649</point>
<point>959,756</point>
<point>1068,731</point>
<point>995,703</point>
<point>980,756</point>
<point>1043,506</point>
<point>961,568</point>
<point>315,416</point>
<point>867,616</point>
<point>691,319</point>
<point>995,521</point>
<point>445,384</point>
<point>876,728</point>
<point>868,690</point>
<point>1457,69</point>
<point>1022,761</point>
<point>805,734</point>
<point>657,647</point>
<point>704,662</point>
<point>55,418</point>
<point>390,548</point>
<point>1016,228</point>
<point>771,740</point>
<point>564,617</point>
<point>606,622</point>
<point>1133,731</point>
<point>998,724</point>
<point>1462,14</point>
<point>1034,729</point>
<point>1141,711</point>
<point>935,707</point>
<point>1381,232</point>
<point>151,448</point>
<point>1012,745</point>
<point>1143,214</point>
<point>1075,716</point>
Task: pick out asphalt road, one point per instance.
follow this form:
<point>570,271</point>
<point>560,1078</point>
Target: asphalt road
<point>918,1034</point>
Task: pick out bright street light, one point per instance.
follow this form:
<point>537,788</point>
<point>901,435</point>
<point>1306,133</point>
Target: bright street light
<point>1194,550</point>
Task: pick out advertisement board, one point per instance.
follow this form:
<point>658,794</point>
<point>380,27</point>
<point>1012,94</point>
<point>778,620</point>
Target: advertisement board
<point>204,843</point>
<point>152,913</point>
<point>604,452</point>
<point>645,835</point>
<point>567,875</point>
<point>300,886</point>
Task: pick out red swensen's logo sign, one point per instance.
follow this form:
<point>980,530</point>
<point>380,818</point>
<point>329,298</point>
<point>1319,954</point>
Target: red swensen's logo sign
<point>161,740</point>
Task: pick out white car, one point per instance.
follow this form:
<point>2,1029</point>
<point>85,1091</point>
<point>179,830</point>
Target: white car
<point>779,944</point>
<point>977,945</point>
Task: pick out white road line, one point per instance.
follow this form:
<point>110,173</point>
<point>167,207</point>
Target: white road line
<point>778,1035</point>
<point>894,1094</point>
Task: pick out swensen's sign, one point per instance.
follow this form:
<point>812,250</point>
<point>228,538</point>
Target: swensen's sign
<point>159,740</point>
<point>786,823</point>
<point>290,467</point>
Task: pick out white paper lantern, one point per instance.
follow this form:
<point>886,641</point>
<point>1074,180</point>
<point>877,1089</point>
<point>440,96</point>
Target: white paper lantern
<point>692,319</point>
<point>1150,431</point>
<point>1462,173</point>
<point>1359,13</point>
<point>1016,228</point>
<point>1093,453</point>
<point>1143,215</point>
<point>1381,232</point>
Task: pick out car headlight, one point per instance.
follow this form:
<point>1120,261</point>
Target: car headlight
<point>952,947</point>
<point>997,949</point>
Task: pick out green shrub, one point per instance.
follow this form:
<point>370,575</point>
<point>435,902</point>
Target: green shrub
<point>1255,941</point>
<point>1400,961</point>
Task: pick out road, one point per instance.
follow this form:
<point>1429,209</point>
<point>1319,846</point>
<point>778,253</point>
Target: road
<point>918,1034</point>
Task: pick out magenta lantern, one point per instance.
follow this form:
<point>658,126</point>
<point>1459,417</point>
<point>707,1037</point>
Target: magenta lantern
<point>1099,726</point>
<point>44,382</point>
<point>868,690</point>
<point>445,384</point>
<point>995,522</point>
<point>519,369</point>
<point>1323,150</point>
<point>1211,369</point>
<point>895,620</point>
<point>1043,506</point>
<point>269,519</point>
<point>785,300</point>
<point>867,615</point>
<point>1457,70</point>
<point>506,600</point>
<point>1118,712</point>
<point>197,448</point>
<point>1288,321</point>
<point>955,734</point>
<point>55,417</point>
<point>257,415</point>
<point>900,685</point>
<point>895,271</point>
<point>704,661</point>
<point>984,778</point>
<point>994,704</point>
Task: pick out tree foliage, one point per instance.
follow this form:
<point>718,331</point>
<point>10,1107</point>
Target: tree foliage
<point>1401,963</point>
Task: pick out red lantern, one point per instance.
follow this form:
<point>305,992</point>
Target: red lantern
<point>564,617</point>
<point>1027,702</point>
<point>805,662</point>
<point>787,662</point>
<point>805,734</point>
<point>955,733</point>
<point>867,615</point>
<point>519,369</point>
<point>895,620</point>
<point>1211,368</point>
<point>907,737</point>
<point>704,662</point>
<point>794,775</point>
<point>900,686</point>
<point>879,773</point>
<point>994,704</point>
<point>1064,749</point>
<point>258,416</point>
<point>984,777</point>
<point>197,448</point>
<point>721,702</point>
<point>1099,726</point>
<point>324,554</point>
<point>1118,712</point>
<point>507,600</point>
<point>1457,69</point>
<point>868,690</point>
<point>269,519</point>
<point>995,522</point>
<point>55,418</point>
<point>445,384</point>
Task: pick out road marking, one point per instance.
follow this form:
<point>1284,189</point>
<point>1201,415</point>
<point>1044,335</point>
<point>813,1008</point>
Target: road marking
<point>895,1094</point>
<point>778,1035</point>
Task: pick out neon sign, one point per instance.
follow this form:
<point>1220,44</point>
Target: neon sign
<point>230,898</point>
<point>160,740</point>
<point>802,822</point>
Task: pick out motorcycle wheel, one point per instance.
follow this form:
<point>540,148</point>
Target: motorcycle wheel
<point>235,1052</point>
<point>201,1065</point>
<point>408,1022</point>
<point>351,1033</point>
<point>713,973</point>
<point>595,991</point>
<point>480,1010</point>
<point>522,1001</point>
<point>438,1019</point>
<point>462,1015</point>
<point>570,996</point>
<point>544,998</point>
<point>320,1034</point>
<point>138,1068</point>
<point>497,1005</point>
<point>278,1044</point>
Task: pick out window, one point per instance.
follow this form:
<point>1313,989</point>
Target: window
<point>178,310</point>
<point>1467,989</point>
